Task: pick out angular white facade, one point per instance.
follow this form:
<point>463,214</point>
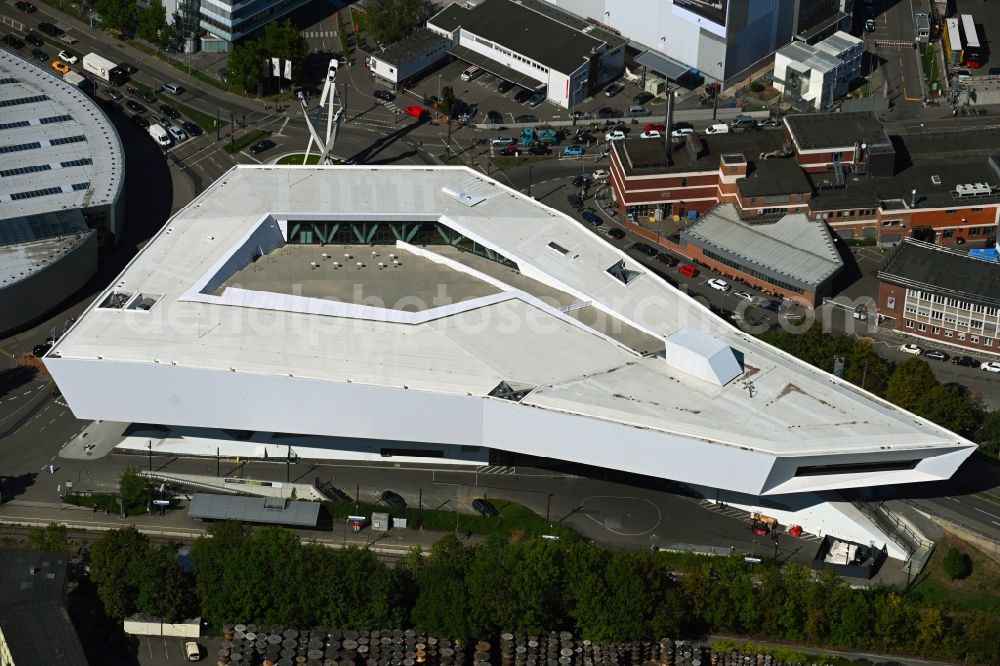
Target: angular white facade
<point>540,338</point>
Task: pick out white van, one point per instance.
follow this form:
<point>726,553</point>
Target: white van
<point>718,128</point>
<point>173,88</point>
<point>637,111</point>
<point>471,73</point>
<point>192,651</point>
<point>159,134</point>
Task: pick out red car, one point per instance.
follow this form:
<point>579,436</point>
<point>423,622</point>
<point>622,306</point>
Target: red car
<point>512,150</point>
<point>416,111</point>
<point>654,127</point>
<point>688,270</point>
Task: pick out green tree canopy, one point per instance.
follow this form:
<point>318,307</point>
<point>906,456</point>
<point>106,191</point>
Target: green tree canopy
<point>116,14</point>
<point>246,65</point>
<point>283,40</point>
<point>152,24</point>
<point>956,564</point>
<point>391,20</point>
<point>115,560</point>
<point>52,538</point>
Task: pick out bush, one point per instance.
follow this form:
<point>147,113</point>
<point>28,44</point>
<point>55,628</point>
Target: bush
<point>757,87</point>
<point>957,564</point>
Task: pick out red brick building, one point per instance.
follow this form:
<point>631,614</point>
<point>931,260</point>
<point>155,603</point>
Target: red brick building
<point>942,295</point>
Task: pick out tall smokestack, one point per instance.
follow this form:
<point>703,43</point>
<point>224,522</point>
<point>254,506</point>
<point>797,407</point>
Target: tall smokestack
<point>669,126</point>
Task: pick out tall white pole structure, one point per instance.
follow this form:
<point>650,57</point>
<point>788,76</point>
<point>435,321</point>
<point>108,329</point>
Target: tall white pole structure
<point>332,118</point>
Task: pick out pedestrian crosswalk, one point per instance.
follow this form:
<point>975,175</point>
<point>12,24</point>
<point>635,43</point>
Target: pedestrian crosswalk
<point>497,469</point>
<point>740,514</point>
<point>316,34</point>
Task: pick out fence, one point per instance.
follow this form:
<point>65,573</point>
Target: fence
<point>893,527</point>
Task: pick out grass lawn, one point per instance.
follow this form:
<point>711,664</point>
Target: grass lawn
<point>930,65</point>
<point>514,519</point>
<point>296,158</point>
<point>979,591</point>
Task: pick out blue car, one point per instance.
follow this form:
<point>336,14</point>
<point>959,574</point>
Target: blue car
<point>773,306</point>
<point>591,218</point>
<point>573,151</point>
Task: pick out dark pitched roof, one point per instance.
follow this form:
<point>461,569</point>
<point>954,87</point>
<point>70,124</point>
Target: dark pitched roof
<point>647,156</point>
<point>33,617</point>
<point>270,510</point>
<point>813,131</point>
<point>940,269</point>
<point>539,36</point>
<point>409,48</point>
<point>774,177</point>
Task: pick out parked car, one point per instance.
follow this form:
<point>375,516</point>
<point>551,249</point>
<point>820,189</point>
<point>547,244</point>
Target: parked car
<point>682,132</point>
<point>169,111</point>
<point>33,39</point>
<point>771,122</point>
<point>192,129</point>
<point>513,150</point>
<point>135,106</point>
<point>646,249</point>
<point>139,121</point>
<point>192,651</point>
<point>261,146</point>
<point>688,270</point>
<point>503,140</point>
<point>523,95</point>
<point>394,500</point>
<point>177,133</point>
<point>40,55</point>
<point>68,58</point>
<point>573,151</point>
<point>990,366</point>
<point>144,95</point>
<point>539,149</point>
<point>718,128</point>
<point>526,119</point>
<point>642,97</point>
<point>651,134</point>
<point>384,95</point>
<point>615,135</point>
<point>745,295</point>
<point>575,201</point>
<point>485,508</point>
<point>591,218</point>
<point>60,66</point>
<point>494,117</point>
<point>112,93</point>
<point>608,112</point>
<point>13,42</point>
<point>504,86</point>
<point>654,127</point>
<point>936,354</point>
<point>40,350</point>
<point>665,258</point>
<point>26,7</point>
<point>718,285</point>
<point>616,233</point>
<point>966,361</point>
<point>50,30</point>
<point>536,99</point>
<point>613,89</point>
<point>600,174</point>
<point>160,119</point>
<point>911,349</point>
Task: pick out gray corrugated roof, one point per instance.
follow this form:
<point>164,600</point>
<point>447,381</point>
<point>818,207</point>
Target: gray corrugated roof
<point>414,46</point>
<point>941,269</point>
<point>794,247</point>
<point>537,36</point>
<point>33,617</point>
<point>253,510</point>
<point>661,64</point>
<point>836,130</point>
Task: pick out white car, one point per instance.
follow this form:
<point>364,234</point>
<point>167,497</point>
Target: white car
<point>718,285</point>
<point>615,135</point>
<point>177,133</point>
<point>502,141</point>
<point>745,295</point>
<point>68,58</point>
<point>718,128</point>
<point>682,132</point>
<point>911,349</point>
<point>651,134</point>
<point>600,174</point>
<point>990,366</point>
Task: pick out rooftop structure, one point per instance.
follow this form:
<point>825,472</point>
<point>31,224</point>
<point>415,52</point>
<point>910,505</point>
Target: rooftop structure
<point>647,156</point>
<point>497,357</point>
<point>257,510</point>
<point>818,74</point>
<point>61,181</point>
<point>413,46</point>
<point>929,267</point>
<point>35,627</point>
<point>790,249</point>
<point>828,131</point>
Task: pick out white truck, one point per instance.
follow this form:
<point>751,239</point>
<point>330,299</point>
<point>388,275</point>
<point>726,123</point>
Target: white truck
<point>75,78</point>
<point>103,68</point>
<point>159,134</point>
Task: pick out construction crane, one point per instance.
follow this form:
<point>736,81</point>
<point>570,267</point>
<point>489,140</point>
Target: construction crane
<point>332,117</point>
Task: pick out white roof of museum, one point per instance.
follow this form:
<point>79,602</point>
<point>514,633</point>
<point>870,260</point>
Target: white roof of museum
<point>503,334</point>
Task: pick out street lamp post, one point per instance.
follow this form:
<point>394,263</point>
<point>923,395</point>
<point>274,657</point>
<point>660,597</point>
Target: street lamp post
<point>548,505</point>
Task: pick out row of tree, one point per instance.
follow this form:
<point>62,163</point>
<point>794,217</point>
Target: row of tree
<point>148,23</point>
<point>250,61</point>
<point>910,384</point>
<point>522,585</point>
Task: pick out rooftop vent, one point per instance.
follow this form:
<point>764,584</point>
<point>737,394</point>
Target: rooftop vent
<point>511,391</point>
<point>936,179</point>
<point>622,273</point>
<point>465,198</point>
<point>702,356</point>
<point>973,190</point>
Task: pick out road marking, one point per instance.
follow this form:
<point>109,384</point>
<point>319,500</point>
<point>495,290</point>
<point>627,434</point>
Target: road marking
<point>952,499</point>
<point>991,515</point>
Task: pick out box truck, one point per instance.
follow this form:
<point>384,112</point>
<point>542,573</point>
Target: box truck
<point>104,69</point>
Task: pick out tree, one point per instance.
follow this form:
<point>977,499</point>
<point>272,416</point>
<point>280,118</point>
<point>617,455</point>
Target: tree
<point>956,564</point>
<point>391,20</point>
<point>246,64</point>
<point>163,589</point>
<point>447,100</point>
<point>931,628</point>
<point>114,562</point>
<point>116,14</point>
<point>283,40</point>
<point>136,491</point>
<point>864,368</point>
<point>152,25</point>
<point>442,606</point>
<point>893,620</point>
<point>49,539</point>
